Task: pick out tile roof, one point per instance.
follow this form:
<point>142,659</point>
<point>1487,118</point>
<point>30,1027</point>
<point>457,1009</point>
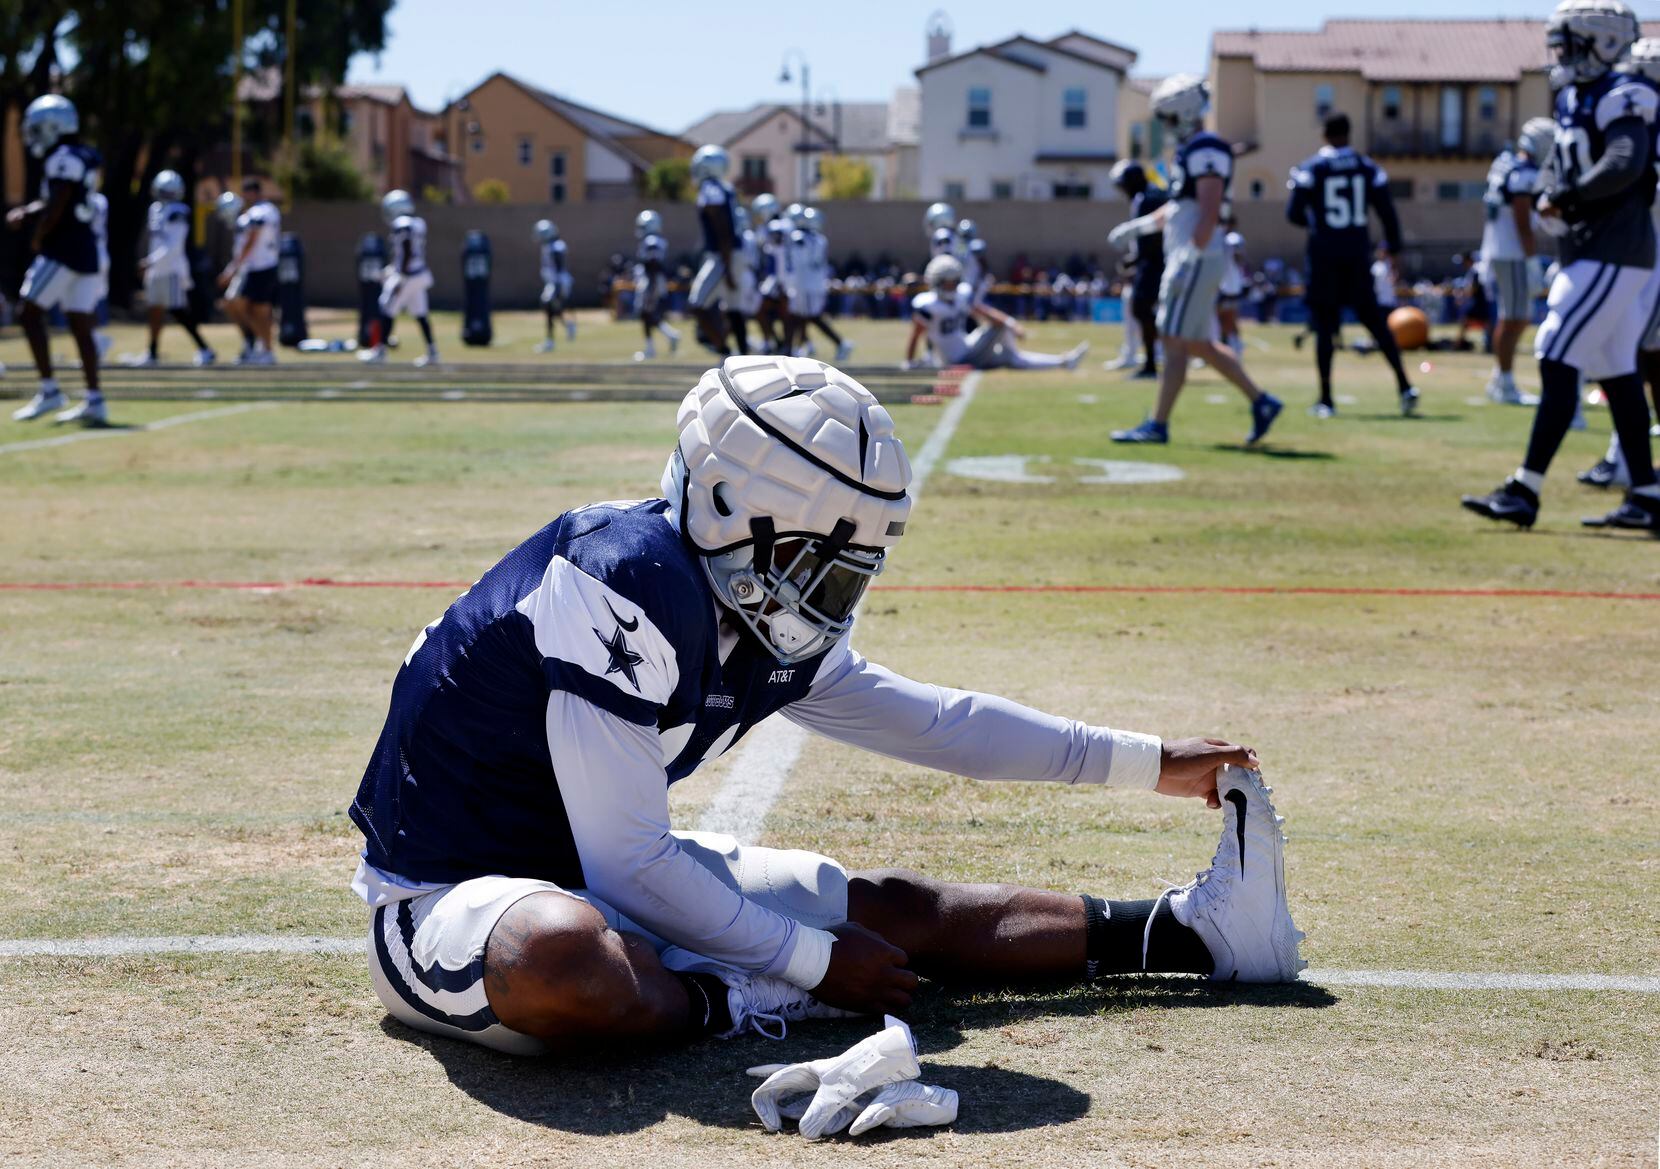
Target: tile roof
<point>864,124</point>
<point>1398,50</point>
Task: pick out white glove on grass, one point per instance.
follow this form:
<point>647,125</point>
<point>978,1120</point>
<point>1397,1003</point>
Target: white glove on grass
<point>834,1084</point>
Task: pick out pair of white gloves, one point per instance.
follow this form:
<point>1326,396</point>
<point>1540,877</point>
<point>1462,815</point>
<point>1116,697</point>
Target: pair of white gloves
<point>873,1084</point>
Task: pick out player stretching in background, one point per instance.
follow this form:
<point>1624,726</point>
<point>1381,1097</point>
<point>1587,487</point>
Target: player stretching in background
<point>405,281</point>
<point>1146,253</point>
<point>166,267</point>
<point>64,272</point>
<point>1195,259</point>
<point>651,283</point>
<point>1602,185</point>
<point>1508,248</point>
<point>1333,194</point>
<point>556,283</point>
<point>943,314</point>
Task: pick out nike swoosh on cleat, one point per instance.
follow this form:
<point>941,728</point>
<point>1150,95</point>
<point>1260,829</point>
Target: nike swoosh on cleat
<point>625,626</point>
<point>1237,799</point>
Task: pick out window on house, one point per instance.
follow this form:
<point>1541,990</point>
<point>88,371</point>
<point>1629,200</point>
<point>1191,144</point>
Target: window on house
<point>1070,189</point>
<point>1256,188</point>
<point>1325,101</point>
<point>1075,109</point>
<point>1138,140</point>
<point>1400,189</point>
<point>1487,102</point>
<point>754,168</point>
<point>979,108</point>
<point>1391,103</point>
<point>954,191</point>
<point>526,150</point>
<point>1459,192</point>
<point>556,164</point>
<point>478,143</point>
<point>1452,117</point>
<point>556,192</point>
<point>1002,189</point>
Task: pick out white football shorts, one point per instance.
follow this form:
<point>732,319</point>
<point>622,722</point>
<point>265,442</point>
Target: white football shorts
<point>166,289</point>
<point>807,301</point>
<point>405,294</point>
<point>1510,285</point>
<point>52,284</point>
<point>1187,297</point>
<point>1598,315</point>
<point>426,953</point>
<point>708,284</point>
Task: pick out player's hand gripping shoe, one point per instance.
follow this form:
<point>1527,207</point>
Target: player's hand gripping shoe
<point>1237,906</point>
<point>769,1005</point>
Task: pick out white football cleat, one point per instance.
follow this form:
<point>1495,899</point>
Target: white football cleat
<point>44,402</point>
<point>1238,906</point>
<point>204,358</point>
<point>89,413</point>
<point>763,1004</point>
<point>139,360</point>
<point>844,351</point>
<point>544,346</point>
<point>374,355</point>
<point>430,357</point>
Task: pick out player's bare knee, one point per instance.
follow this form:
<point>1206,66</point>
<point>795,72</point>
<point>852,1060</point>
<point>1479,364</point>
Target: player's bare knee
<point>550,962</point>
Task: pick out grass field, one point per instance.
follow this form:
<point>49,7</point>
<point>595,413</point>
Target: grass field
<point>1469,780</point>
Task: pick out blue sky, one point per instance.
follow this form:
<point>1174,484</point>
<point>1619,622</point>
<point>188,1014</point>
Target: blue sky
<point>668,64</point>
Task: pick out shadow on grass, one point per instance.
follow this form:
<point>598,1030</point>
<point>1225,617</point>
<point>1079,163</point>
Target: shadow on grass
<point>1270,452</point>
<point>610,1089</point>
<point>1399,417</point>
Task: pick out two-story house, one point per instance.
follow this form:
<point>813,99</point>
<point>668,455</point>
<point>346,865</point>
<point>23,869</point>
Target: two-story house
<point>1022,119</point>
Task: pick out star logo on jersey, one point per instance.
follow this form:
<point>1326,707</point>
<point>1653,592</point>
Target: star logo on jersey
<point>623,660</point>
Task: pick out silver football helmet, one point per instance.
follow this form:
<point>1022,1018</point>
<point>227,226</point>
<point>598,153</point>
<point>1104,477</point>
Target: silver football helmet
<point>1538,138</point>
<point>1587,38</point>
<point>647,223</point>
<point>968,229</point>
<point>791,485</point>
<point>944,274</point>
<point>939,215</point>
<point>943,242</point>
<point>167,187</point>
<point>48,119</point>
<point>547,230</point>
<point>810,219</point>
<point>1180,102</point>
<point>740,218</point>
<point>764,209</point>
<point>793,213</point>
<point>1643,58</point>
<point>710,162</point>
<point>394,205</point>
<point>229,207</point>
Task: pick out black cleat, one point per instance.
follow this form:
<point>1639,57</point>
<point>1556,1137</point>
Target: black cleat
<point>1636,513</point>
<point>1605,474</point>
<point>1409,402</point>
<point>1511,502</point>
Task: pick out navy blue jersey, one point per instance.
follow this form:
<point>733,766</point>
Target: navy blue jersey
<point>715,203</point>
<point>73,241</point>
<point>1333,194</point>
<point>1149,249</point>
<point>1617,228</point>
<point>1204,155</point>
<point>607,603</point>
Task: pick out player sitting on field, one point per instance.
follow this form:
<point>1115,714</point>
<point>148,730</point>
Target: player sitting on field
<point>943,315</point>
<point>64,272</point>
<point>1195,259</point>
<point>406,281</point>
<point>1601,186</point>
<point>525,888</point>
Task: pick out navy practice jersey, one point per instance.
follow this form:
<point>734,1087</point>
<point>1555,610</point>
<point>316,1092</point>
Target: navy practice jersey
<point>1204,155</point>
<point>1616,229</point>
<point>715,203</point>
<point>607,603</point>
<point>1149,249</point>
<point>1333,194</point>
<point>73,242</point>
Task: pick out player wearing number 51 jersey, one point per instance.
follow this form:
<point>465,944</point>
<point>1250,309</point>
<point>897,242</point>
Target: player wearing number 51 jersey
<point>1333,195</point>
<point>1599,186</point>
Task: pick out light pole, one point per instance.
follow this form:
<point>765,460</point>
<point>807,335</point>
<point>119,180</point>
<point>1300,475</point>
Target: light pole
<point>802,192</point>
<point>835,114</point>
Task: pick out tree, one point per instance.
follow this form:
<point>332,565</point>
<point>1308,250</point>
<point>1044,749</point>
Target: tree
<point>492,191</point>
<point>669,180</point>
<point>322,169</point>
<point>841,177</point>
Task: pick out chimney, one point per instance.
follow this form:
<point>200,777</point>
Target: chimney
<point>939,36</point>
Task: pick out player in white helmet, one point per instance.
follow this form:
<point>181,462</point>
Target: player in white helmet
<point>808,284</point>
<point>945,313</point>
<point>525,888</point>
<point>771,236</point>
<point>651,283</point>
<point>716,274</point>
<point>1601,185</point>
<point>166,266</point>
<point>249,281</point>
<point>64,272</point>
<point>556,282</point>
<point>1195,259</point>
<point>738,304</point>
<point>406,280</point>
<point>1509,246</point>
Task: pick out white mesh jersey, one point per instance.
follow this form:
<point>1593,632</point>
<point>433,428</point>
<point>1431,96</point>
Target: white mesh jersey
<point>169,228</point>
<point>947,322</point>
<point>411,230</point>
<point>263,224</point>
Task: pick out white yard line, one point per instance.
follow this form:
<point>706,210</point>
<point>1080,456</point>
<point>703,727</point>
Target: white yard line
<point>769,753</point>
<point>130,946</point>
<point>36,444</point>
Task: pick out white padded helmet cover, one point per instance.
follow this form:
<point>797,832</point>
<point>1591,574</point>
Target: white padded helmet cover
<point>794,440</point>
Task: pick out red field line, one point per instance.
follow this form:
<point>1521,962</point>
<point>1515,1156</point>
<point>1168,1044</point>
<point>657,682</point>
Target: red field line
<point>1128,590</point>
